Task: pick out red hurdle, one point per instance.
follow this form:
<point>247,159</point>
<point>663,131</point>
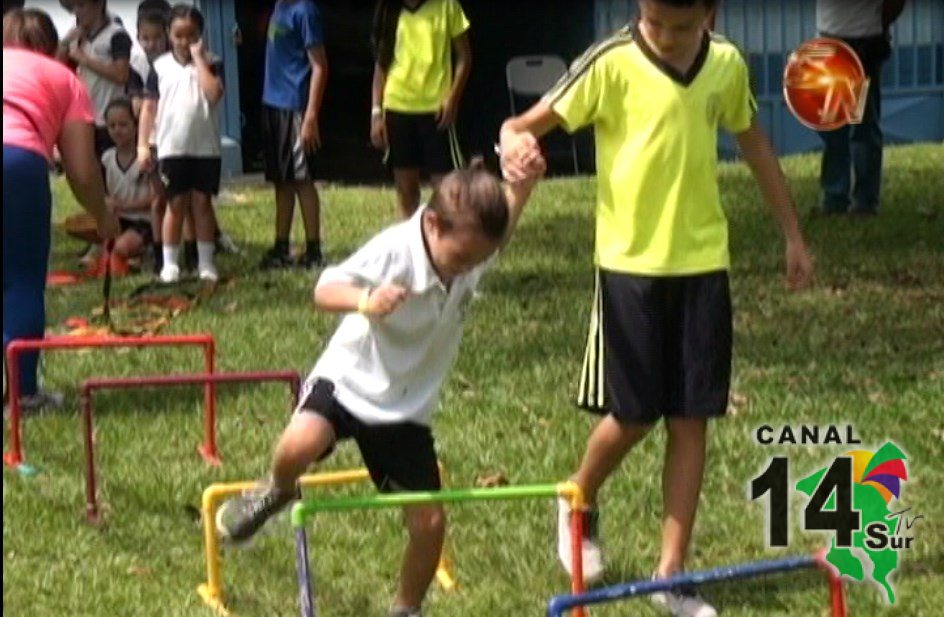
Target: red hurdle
<point>207,449</point>
<point>89,387</point>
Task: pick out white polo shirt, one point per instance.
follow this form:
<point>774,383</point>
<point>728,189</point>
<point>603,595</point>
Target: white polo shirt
<point>849,18</point>
<point>391,369</point>
<point>187,124</point>
<point>126,183</point>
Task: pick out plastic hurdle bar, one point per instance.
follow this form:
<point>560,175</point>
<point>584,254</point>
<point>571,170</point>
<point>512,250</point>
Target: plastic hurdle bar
<point>15,458</point>
<point>304,510</point>
<point>89,387</point>
<point>559,604</point>
<point>212,590</point>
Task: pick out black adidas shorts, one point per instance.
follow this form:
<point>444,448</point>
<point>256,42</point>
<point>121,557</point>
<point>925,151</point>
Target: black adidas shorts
<point>417,143</point>
<point>399,457</point>
<point>180,174</point>
<point>285,159</point>
<point>659,346</point>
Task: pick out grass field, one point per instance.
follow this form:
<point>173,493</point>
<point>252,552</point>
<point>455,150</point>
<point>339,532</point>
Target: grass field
<point>865,346</point>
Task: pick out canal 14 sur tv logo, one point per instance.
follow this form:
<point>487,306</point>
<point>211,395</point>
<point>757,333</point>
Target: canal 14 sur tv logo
<point>856,498</point>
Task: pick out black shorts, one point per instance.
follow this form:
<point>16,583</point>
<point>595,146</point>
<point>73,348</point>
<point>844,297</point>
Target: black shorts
<point>659,346</point>
<point>399,457</point>
<point>142,228</point>
<point>417,143</point>
<point>180,174</point>
<point>285,159</point>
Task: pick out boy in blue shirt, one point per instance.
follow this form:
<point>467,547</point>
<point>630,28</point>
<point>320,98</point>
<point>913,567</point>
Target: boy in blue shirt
<point>296,71</point>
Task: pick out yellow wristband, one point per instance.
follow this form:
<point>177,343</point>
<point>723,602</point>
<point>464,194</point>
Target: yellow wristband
<point>363,300</point>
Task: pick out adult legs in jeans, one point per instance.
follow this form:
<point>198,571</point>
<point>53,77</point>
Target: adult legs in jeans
<point>26,231</point>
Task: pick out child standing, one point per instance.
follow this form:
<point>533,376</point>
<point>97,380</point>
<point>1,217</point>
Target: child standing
<point>416,90</point>
<point>660,342</point>
<point>185,89</point>
<point>296,72</point>
<point>130,196</point>
<point>406,293</point>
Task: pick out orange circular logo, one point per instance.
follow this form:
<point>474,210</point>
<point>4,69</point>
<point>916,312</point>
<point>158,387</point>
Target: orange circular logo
<point>825,85</point>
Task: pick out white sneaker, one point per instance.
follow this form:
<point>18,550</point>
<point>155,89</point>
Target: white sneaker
<point>209,273</point>
<point>170,273</point>
<point>683,602</point>
<point>592,554</point>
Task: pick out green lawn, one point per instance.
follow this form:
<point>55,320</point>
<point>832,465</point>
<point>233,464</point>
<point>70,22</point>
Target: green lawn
<point>865,346</point>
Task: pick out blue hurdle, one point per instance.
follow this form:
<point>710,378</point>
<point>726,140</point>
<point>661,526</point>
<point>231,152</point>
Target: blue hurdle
<point>559,604</point>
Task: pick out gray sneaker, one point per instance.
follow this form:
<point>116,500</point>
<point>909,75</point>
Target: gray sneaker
<point>42,400</point>
<point>240,518</point>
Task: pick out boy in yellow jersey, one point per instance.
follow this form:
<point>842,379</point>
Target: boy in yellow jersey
<point>660,341</point>
<point>416,90</point>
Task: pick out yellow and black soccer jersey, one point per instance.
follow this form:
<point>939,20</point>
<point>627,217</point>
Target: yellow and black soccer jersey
<point>658,210</point>
<point>420,76</point>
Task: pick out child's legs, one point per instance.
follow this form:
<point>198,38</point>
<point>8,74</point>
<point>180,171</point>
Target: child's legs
<point>177,207</point>
<point>306,439</point>
<point>204,219</point>
<point>427,531</point>
<point>407,182</point>
<point>681,486</point>
<point>158,207</point>
<point>606,448</point>
<point>284,210</point>
<point>311,209</point>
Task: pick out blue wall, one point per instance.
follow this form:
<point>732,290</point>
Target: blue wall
<point>767,30</point>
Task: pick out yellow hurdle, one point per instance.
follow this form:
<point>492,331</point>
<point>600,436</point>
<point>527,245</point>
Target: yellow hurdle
<point>212,590</point>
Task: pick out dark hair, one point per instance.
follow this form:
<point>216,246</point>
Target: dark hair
<point>121,103</point>
<point>384,35</point>
<point>9,5</point>
<point>31,29</point>
<point>155,6</point>
<point>471,196</point>
<point>185,11</point>
<point>152,17</point>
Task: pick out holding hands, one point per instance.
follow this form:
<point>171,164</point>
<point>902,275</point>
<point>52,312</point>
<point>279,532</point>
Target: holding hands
<point>521,157</point>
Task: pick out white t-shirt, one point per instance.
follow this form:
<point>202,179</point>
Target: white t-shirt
<point>187,124</point>
<point>109,44</point>
<point>391,369</point>
<point>126,183</point>
<point>849,18</point>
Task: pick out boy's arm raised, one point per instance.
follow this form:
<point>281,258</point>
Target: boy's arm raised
<point>519,136</point>
<point>760,157</point>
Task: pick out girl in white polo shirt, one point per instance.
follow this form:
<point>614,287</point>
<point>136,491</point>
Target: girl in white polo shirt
<point>406,293</point>
<point>185,88</point>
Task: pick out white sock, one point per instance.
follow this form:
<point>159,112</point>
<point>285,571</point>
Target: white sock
<point>205,252</point>
<point>171,253</point>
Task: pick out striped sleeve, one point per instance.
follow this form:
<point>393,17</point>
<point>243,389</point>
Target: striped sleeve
<point>738,106</point>
<point>578,97</point>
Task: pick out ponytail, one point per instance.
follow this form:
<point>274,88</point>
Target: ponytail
<point>384,36</point>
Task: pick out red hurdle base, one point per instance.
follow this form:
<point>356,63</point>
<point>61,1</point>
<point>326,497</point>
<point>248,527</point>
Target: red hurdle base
<point>91,385</point>
<point>15,457</point>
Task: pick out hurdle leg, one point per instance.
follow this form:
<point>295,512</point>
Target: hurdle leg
<point>306,600</point>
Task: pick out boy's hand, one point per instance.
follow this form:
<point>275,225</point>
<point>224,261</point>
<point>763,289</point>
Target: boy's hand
<point>310,134</point>
<point>520,156</point>
<point>145,160</point>
<point>446,115</point>
<point>378,132</point>
<point>799,266</point>
<point>384,300</point>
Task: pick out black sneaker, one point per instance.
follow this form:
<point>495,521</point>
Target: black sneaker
<point>240,518</point>
<point>310,261</point>
<point>275,260</point>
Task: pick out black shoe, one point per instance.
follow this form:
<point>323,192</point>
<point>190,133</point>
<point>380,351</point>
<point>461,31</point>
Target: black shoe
<point>240,518</point>
<point>310,261</point>
<point>275,260</point>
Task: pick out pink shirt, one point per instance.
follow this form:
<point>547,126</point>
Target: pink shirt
<point>40,95</point>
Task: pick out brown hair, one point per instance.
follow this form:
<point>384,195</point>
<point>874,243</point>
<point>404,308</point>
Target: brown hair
<point>31,29</point>
<point>472,196</point>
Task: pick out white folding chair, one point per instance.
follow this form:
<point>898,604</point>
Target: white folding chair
<point>533,76</point>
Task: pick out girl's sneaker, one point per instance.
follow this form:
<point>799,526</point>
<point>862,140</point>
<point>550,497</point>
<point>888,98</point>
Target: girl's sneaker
<point>683,602</point>
<point>240,518</point>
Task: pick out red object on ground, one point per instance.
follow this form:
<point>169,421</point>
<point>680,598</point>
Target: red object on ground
<point>91,385</point>
<point>207,449</point>
<point>119,266</point>
<point>60,278</point>
<point>825,85</point>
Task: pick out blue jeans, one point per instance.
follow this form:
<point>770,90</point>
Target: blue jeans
<point>27,207</point>
<point>853,153</point>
